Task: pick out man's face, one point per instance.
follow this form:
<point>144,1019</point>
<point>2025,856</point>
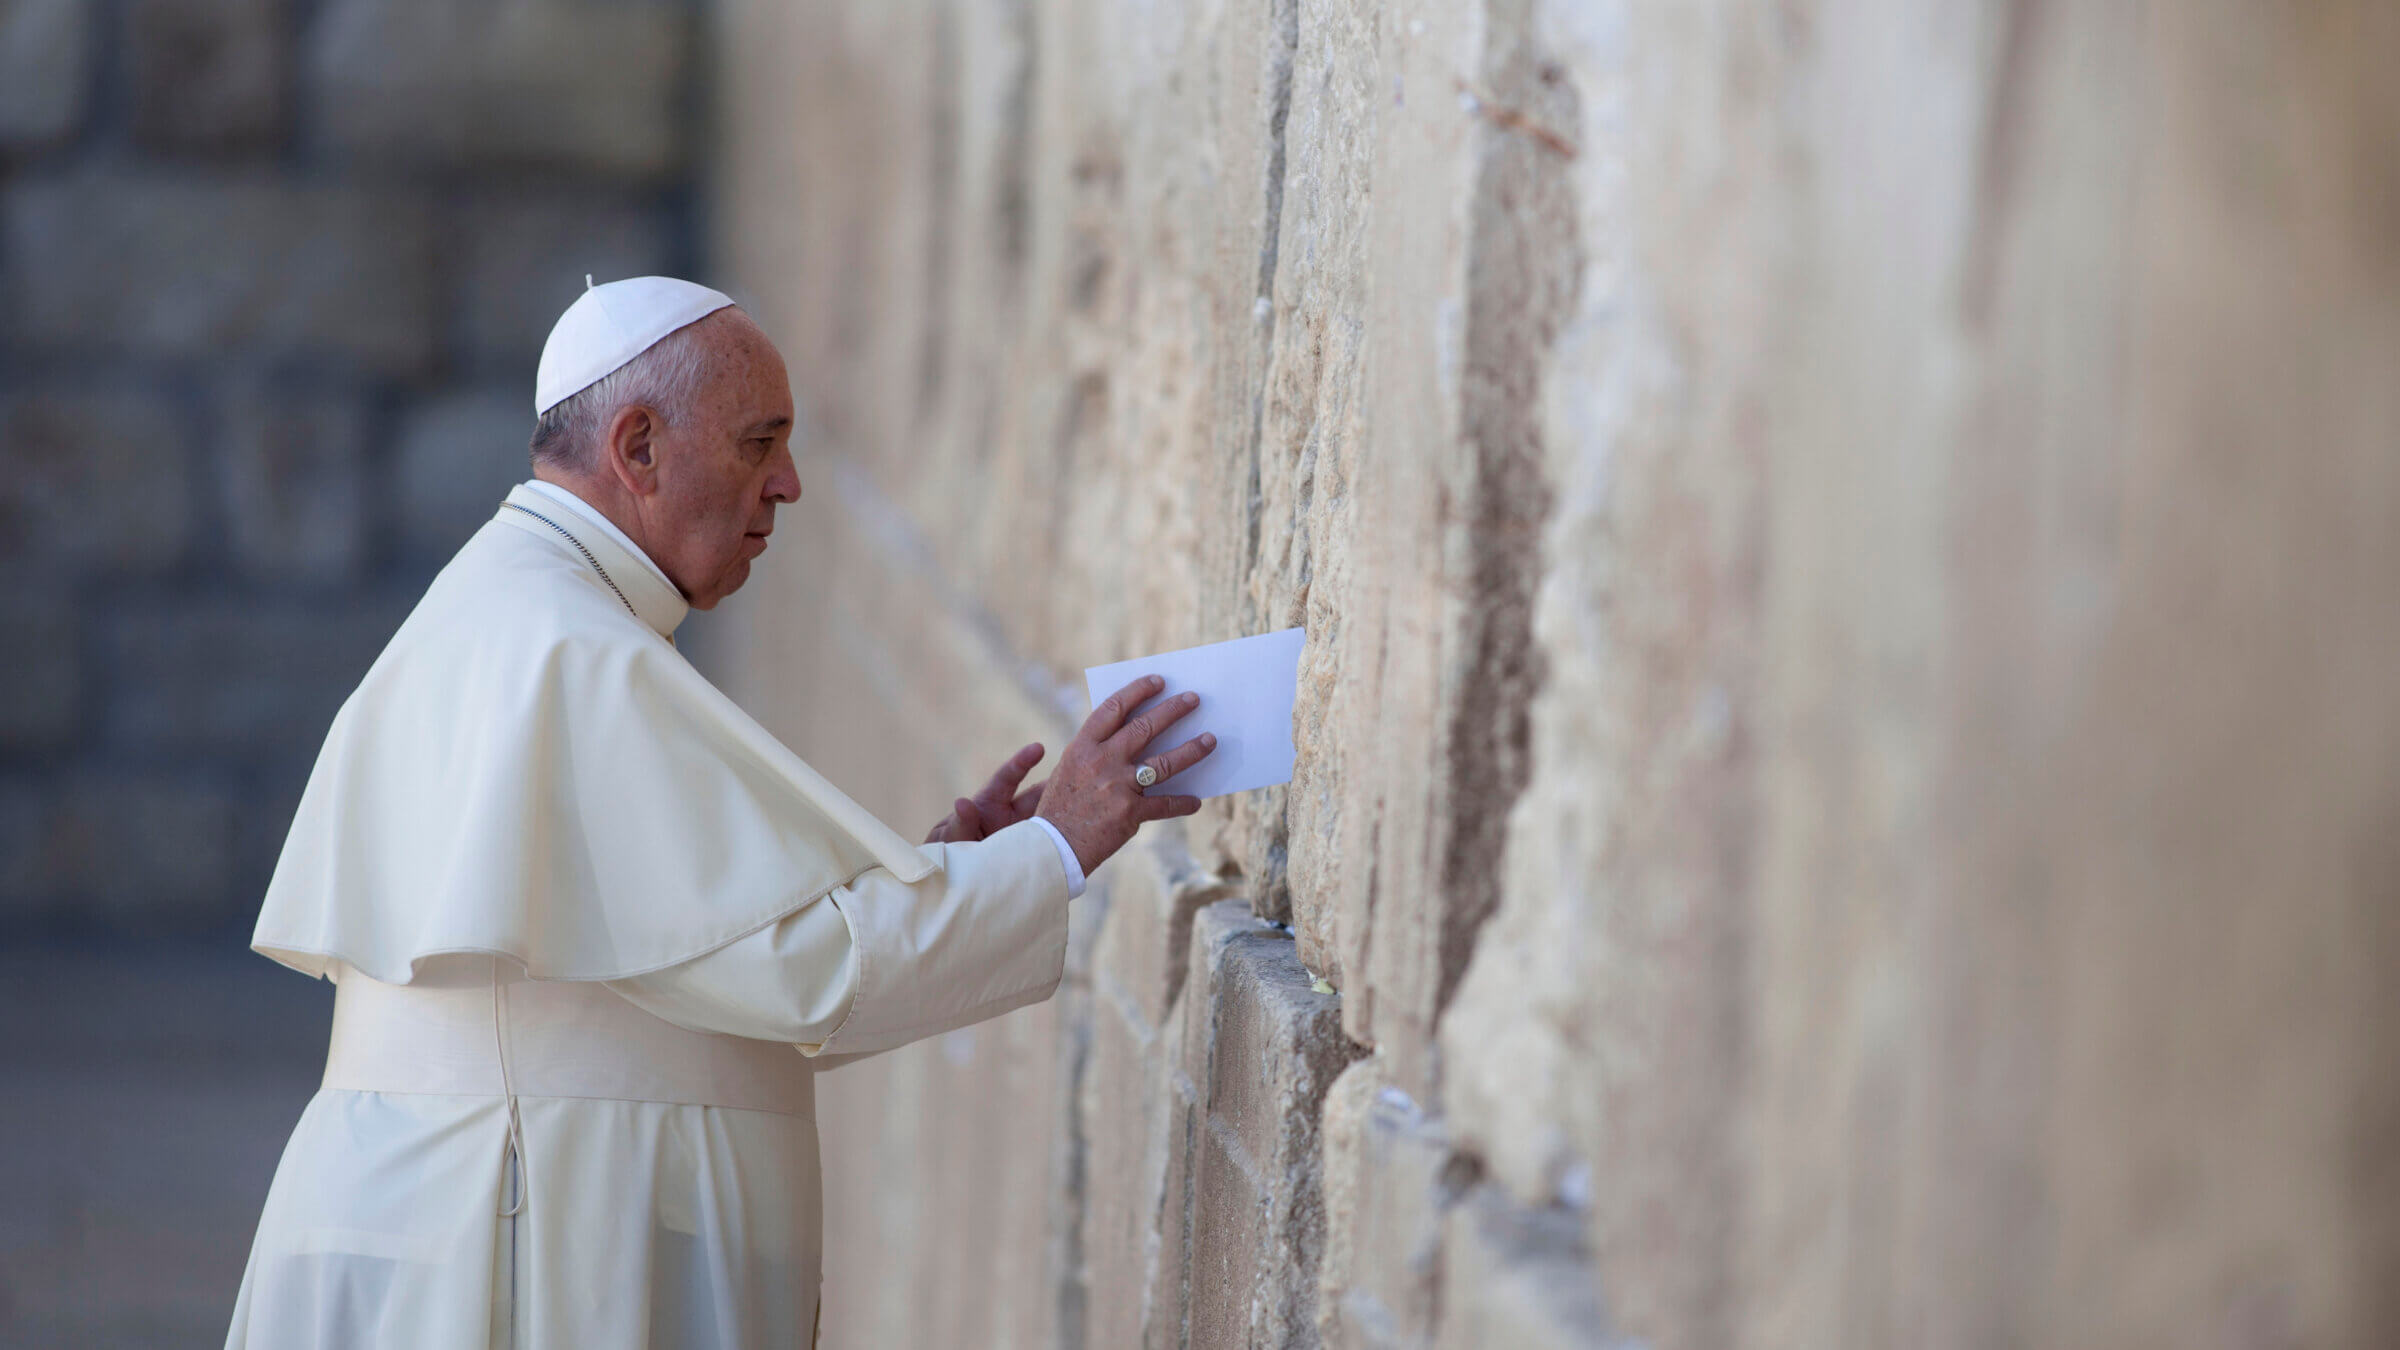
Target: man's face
<point>724,466</point>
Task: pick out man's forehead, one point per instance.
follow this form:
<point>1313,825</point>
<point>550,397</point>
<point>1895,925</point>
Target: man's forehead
<point>744,366</point>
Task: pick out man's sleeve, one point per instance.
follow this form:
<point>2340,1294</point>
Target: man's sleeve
<point>1067,861</point>
<point>885,962</point>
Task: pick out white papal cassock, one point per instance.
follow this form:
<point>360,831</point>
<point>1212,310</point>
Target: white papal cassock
<point>580,909</point>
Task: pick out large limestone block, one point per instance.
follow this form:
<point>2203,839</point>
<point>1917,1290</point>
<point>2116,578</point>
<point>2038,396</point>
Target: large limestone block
<point>1123,1111</point>
<point>525,260</point>
<point>240,676</point>
<point>1234,1301</point>
<point>938,1171</point>
<point>1368,829</point>
<point>292,468</point>
<point>1522,1279</point>
<point>1474,259</point>
<point>458,454</point>
<point>1301,841</point>
<point>42,682</point>
<point>1274,1047</point>
<point>1167,1306</point>
<point>1594,1054</point>
<point>97,476</point>
<point>150,852</point>
<point>46,70</point>
<point>179,265</point>
<point>1137,1105</point>
<point>213,75</point>
<point>1139,1112</point>
<point>1391,1175</point>
<point>1908,888</point>
<point>1154,889</point>
<point>590,85</point>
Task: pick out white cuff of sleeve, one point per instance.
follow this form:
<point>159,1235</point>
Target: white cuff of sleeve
<point>1066,858</point>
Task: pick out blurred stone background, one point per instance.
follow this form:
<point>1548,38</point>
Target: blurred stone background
<point>274,275</point>
<point>1851,553</point>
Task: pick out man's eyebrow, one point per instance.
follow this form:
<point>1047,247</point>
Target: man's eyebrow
<point>771,424</point>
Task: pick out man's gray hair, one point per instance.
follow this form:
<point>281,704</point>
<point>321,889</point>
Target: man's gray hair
<point>663,379</point>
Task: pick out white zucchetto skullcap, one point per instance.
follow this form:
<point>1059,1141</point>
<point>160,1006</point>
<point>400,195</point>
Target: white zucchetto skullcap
<point>610,325</point>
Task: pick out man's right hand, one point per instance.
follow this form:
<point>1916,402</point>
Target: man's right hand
<point>1091,796</point>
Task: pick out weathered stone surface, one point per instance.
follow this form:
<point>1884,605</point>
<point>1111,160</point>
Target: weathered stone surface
<point>1277,1051</point>
<point>184,265</point>
<point>1145,948</point>
<point>1133,1104</point>
<point>1630,865</point>
<point>1391,1175</point>
<point>589,84</point>
<point>242,677</point>
<point>1819,633</point>
<point>1312,443</point>
<point>46,70</point>
<point>883,1121</point>
<point>97,476</point>
<point>1262,1048</point>
<point>209,74</point>
<point>292,468</point>
<point>1521,1279</point>
<point>457,456</point>
<point>1230,1244</point>
<point>525,261</point>
<point>41,682</point>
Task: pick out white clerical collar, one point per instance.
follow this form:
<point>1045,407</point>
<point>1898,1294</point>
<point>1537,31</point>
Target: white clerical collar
<point>591,513</point>
<point>645,589</point>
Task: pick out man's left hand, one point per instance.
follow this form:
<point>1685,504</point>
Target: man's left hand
<point>998,805</point>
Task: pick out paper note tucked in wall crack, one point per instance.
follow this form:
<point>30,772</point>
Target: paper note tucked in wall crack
<point>1246,688</point>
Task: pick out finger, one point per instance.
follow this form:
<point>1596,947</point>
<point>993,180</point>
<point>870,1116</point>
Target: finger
<point>1004,784</point>
<point>1182,757</point>
<point>1107,718</point>
<point>1140,731</point>
<point>1005,779</point>
<point>1166,808</point>
<point>970,820</point>
<point>1029,801</point>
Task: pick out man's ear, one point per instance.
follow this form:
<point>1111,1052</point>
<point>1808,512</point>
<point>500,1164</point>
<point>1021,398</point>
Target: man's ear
<point>632,449</point>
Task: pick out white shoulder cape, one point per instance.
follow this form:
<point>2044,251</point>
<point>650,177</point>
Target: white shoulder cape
<point>532,771</point>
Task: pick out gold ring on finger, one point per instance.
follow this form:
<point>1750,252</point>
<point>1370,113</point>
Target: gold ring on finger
<point>1145,776</point>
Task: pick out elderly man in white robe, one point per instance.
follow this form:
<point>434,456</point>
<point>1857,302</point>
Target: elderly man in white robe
<point>594,930</point>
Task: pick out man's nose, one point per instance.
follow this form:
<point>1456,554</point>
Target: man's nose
<point>783,484</point>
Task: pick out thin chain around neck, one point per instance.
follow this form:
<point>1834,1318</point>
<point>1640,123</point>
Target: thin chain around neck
<point>569,536</point>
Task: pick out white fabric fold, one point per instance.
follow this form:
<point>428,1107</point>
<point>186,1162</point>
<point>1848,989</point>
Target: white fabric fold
<point>530,771</point>
<point>985,934</point>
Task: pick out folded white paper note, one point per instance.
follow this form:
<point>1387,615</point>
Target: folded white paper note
<point>1246,688</point>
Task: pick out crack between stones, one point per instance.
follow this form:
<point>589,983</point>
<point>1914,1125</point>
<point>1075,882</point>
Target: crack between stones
<point>1287,44</point>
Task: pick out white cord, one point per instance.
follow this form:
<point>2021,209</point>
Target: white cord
<point>508,1086</point>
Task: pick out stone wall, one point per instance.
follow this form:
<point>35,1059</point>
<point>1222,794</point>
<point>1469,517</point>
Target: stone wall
<point>1851,555</point>
<point>276,274</point>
